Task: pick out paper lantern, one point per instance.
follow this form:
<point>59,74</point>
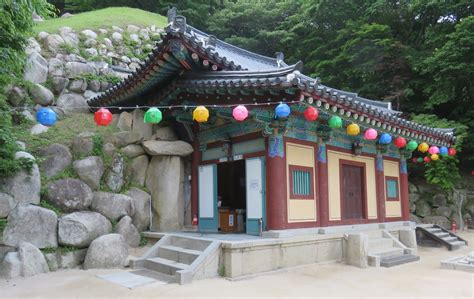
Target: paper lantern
<point>282,110</point>
<point>400,142</point>
<point>103,117</point>
<point>46,116</point>
<point>423,147</point>
<point>443,151</point>
<point>433,150</point>
<point>311,113</point>
<point>335,122</point>
<point>420,160</point>
<point>153,116</point>
<point>200,114</point>
<point>385,138</point>
<point>412,145</point>
<point>240,113</point>
<point>370,134</point>
<point>427,159</point>
<point>451,151</point>
<point>434,157</point>
<point>353,130</point>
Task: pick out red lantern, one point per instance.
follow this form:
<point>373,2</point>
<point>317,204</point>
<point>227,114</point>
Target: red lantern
<point>400,142</point>
<point>451,151</point>
<point>415,160</point>
<point>103,117</point>
<point>427,159</point>
<point>311,113</point>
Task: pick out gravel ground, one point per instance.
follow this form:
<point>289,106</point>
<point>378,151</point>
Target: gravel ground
<point>419,279</point>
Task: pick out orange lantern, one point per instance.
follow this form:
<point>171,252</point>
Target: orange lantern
<point>353,129</point>
<point>200,114</point>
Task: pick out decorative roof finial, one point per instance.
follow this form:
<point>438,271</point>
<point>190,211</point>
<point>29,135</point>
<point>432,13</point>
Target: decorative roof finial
<point>279,58</point>
<point>171,14</point>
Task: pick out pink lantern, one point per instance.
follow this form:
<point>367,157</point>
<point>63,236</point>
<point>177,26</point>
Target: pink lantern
<point>370,134</point>
<point>433,150</point>
<point>240,113</point>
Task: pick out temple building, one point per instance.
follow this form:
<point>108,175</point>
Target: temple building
<point>274,171</point>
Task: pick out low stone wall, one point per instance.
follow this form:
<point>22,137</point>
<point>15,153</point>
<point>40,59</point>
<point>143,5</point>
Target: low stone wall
<point>256,256</point>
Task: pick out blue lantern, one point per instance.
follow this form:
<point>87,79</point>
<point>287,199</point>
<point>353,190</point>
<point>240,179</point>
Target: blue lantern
<point>282,110</point>
<point>46,116</point>
<point>443,151</point>
<point>385,138</point>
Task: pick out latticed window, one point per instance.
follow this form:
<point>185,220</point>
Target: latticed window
<point>301,182</point>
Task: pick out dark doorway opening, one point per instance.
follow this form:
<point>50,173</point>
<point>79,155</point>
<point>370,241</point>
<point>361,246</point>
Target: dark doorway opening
<point>232,199</point>
<point>353,191</point>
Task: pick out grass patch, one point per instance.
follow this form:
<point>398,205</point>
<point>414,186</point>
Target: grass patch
<point>62,132</point>
<point>47,205</point>
<point>103,18</point>
<point>143,240</point>
<point>3,224</point>
<point>60,249</point>
<point>114,225</point>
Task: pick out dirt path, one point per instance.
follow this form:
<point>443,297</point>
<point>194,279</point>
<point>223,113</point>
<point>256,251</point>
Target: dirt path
<point>420,279</point>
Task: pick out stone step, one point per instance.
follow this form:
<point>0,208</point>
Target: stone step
<point>189,243</point>
<point>380,243</point>
<point>178,254</point>
<point>457,243</point>
<point>441,235</point>
<point>434,230</point>
<point>164,266</point>
<point>373,234</point>
<point>398,260</point>
<point>386,252</point>
<point>450,239</point>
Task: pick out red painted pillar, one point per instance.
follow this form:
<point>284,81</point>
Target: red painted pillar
<point>404,189</point>
<point>323,184</point>
<point>380,186</point>
<point>196,160</point>
<point>276,183</point>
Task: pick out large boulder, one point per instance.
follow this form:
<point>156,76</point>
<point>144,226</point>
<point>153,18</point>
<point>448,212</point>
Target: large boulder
<point>32,260</point>
<point>36,68</point>
<point>70,194</point>
<point>89,34</point>
<point>164,133</point>
<point>38,129</point>
<point>16,95</point>
<point>165,180</point>
<point>423,209</point>
<point>443,211</point>
<point>28,223</point>
<point>7,204</point>
<point>70,37</point>
<point>133,29</point>
<point>167,148</point>
<point>90,170</point>
<point>439,200</point>
<point>129,232</point>
<point>117,38</point>
<point>56,67</point>
<point>72,102</point>
<point>439,220</point>
<point>133,151</point>
<point>79,229</point>
<point>53,42</point>
<point>125,121</point>
<point>25,185</point>
<point>56,158</point>
<point>10,267</point>
<point>33,46</point>
<point>138,125</point>
<point>138,167</point>
<point>83,144</point>
<point>65,260</point>
<point>112,205</point>
<point>74,69</point>
<point>141,208</point>
<point>58,84</point>
<point>41,95</point>
<point>109,251</point>
<point>78,85</point>
<point>115,176</point>
<point>121,139</point>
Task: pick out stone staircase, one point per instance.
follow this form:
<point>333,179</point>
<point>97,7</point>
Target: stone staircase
<point>181,258</point>
<point>442,236</point>
<point>384,250</point>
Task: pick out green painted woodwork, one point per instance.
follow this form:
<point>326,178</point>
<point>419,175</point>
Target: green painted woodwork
<point>301,182</point>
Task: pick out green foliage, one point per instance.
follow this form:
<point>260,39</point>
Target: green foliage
<point>110,78</point>
<point>3,224</point>
<point>47,205</point>
<point>98,145</point>
<point>67,48</point>
<point>443,173</point>
<point>114,225</point>
<point>143,240</point>
<point>60,249</point>
<point>103,18</point>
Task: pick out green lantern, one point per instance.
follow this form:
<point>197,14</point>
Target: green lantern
<point>335,122</point>
<point>412,145</point>
<point>420,160</point>
<point>153,116</point>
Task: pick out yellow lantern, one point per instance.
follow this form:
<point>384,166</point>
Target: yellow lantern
<point>434,157</point>
<point>353,129</point>
<point>423,147</point>
<point>200,114</point>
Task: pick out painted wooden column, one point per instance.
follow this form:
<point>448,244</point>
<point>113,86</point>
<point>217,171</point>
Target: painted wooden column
<point>404,188</point>
<point>323,184</point>
<point>380,186</point>
<point>196,160</point>
<point>276,183</point>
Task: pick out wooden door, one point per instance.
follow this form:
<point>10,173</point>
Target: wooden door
<point>352,192</point>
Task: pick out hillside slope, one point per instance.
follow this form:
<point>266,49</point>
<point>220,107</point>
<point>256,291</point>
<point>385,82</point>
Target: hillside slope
<point>113,16</point>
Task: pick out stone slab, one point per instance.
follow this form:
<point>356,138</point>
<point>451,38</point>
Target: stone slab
<point>129,280</point>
